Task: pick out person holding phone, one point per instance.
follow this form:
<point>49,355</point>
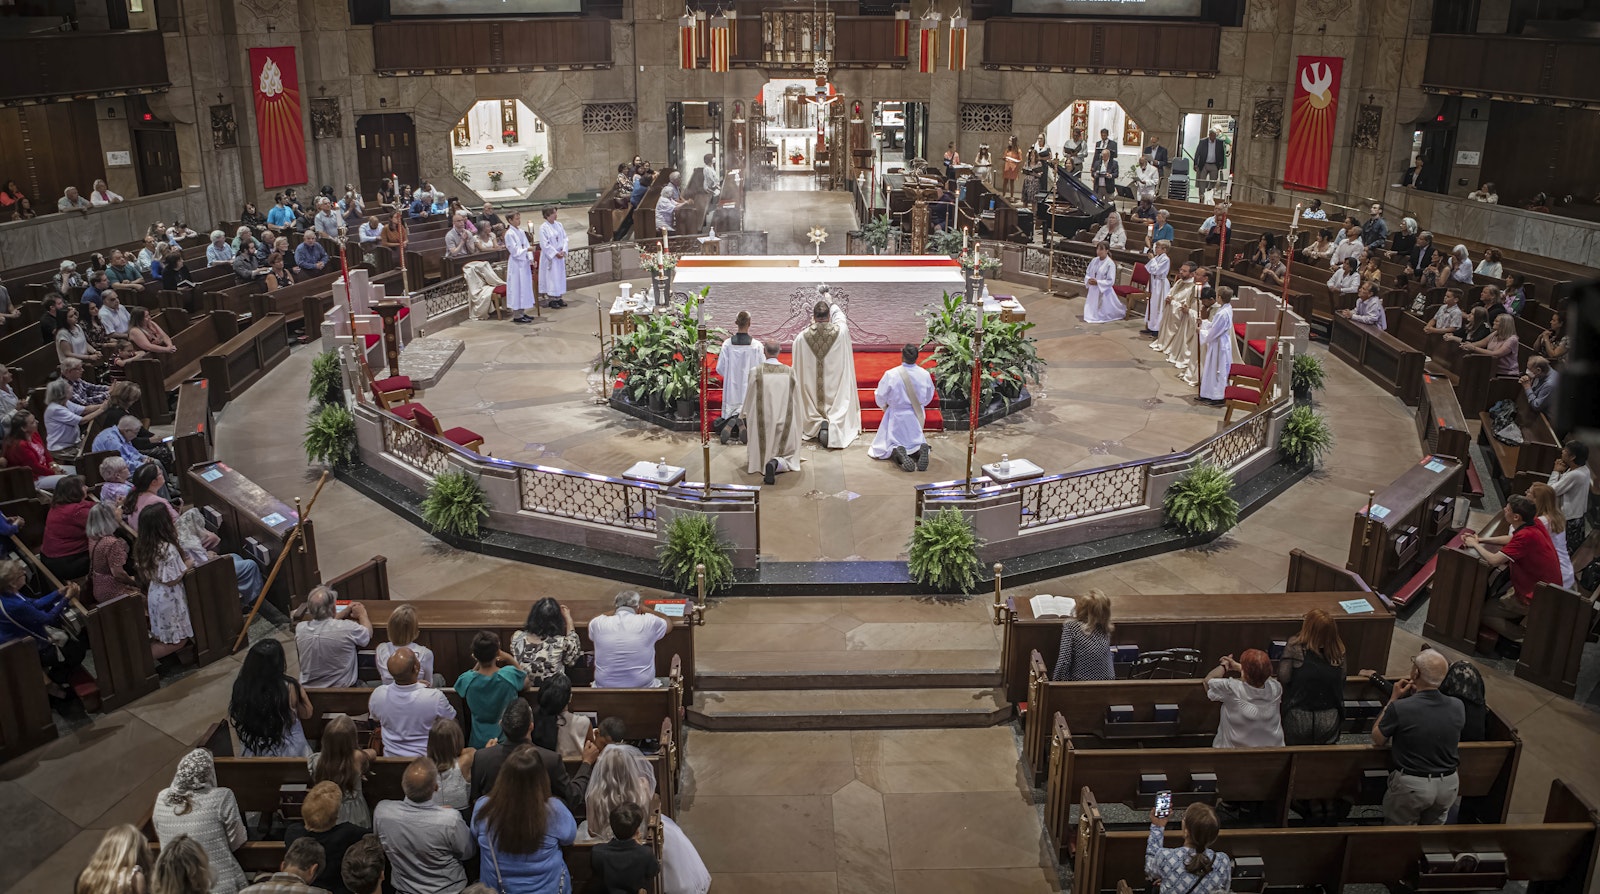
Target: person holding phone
<point>1422,726</point>
<point>1193,868</point>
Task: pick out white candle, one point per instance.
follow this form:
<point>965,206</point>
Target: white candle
<point>1296,223</point>
<point>964,238</point>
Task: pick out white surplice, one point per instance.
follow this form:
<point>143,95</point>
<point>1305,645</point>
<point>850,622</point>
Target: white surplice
<point>1216,347</point>
<point>772,407</point>
<point>734,363</point>
<point>903,394</point>
<point>1102,305</point>
<point>1158,267</point>
<point>825,362</point>
<point>520,291</point>
<point>552,270</point>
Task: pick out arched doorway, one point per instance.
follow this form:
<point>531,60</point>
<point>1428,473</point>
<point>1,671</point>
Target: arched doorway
<point>501,149</point>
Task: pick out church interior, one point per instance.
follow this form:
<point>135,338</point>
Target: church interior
<point>545,446</point>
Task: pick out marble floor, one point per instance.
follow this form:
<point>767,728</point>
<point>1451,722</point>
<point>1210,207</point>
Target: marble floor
<point>819,812</point>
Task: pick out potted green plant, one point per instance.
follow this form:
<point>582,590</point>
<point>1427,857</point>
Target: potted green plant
<point>943,553</point>
<point>876,233</point>
<point>1306,436</point>
<point>1201,500</point>
<point>532,168</point>
<point>658,362</point>
<point>327,379</point>
<point>455,504</point>
<point>692,539</point>
<point>330,435</point>
<point>1306,374</point>
<point>944,242</point>
<point>1011,358</point>
<point>461,173</point>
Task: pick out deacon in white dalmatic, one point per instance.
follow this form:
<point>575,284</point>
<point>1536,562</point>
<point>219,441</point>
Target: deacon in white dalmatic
<point>1216,348</point>
<point>1102,305</point>
<point>1159,265</point>
<point>553,258</point>
<point>740,353</point>
<point>772,404</point>
<point>903,395</point>
<point>521,293</point>
<point>825,362</point>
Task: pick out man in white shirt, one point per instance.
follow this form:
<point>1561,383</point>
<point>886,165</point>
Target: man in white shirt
<point>329,640</point>
<point>1348,247</point>
<point>406,709</point>
<point>71,201</point>
<point>219,251</point>
<point>426,845</point>
<point>625,644</point>
<point>1571,481</point>
<point>328,222</point>
<point>903,394</point>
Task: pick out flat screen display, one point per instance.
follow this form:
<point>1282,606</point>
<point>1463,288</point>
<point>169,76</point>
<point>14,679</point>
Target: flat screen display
<point>445,8</point>
<point>1104,8</point>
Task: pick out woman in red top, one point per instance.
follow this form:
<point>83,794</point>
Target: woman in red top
<point>24,447</point>
<point>65,549</point>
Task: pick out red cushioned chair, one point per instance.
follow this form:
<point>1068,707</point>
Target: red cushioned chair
<point>461,437</point>
<point>1138,284</point>
<point>1252,376</point>
<point>391,387</point>
<point>1240,397</point>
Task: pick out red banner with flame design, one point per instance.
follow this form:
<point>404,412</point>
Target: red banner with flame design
<point>1312,118</point>
<point>280,132</point>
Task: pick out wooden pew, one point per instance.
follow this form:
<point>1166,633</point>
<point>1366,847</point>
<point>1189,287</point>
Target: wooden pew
<point>25,721</point>
<point>1558,854</point>
<point>1381,357</point>
<point>119,639</point>
<point>1309,574</point>
<point>1212,623</point>
<point>1409,521</point>
<point>450,268</point>
<point>193,431</point>
<point>212,592</point>
<point>250,513</point>
<point>1518,466</point>
<point>1469,373</point>
<point>158,374</point>
<point>606,216</point>
<point>1440,423</point>
<point>241,361</point>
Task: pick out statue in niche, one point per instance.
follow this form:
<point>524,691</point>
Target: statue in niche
<point>224,129</point>
<point>1369,125</point>
<point>325,118</point>
<point>1266,120</point>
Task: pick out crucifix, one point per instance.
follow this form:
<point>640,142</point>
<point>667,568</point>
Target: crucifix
<point>823,98</point>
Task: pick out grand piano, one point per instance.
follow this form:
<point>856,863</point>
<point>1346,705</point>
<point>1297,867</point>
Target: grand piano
<point>1075,207</point>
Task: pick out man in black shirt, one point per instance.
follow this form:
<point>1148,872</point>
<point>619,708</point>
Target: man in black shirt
<point>1422,726</point>
<point>516,728</point>
<point>52,318</point>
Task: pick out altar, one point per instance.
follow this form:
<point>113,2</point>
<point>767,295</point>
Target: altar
<point>883,296</point>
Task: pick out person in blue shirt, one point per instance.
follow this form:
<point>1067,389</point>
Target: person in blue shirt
<point>420,206</point>
<point>117,437</point>
<point>98,283</point>
<point>22,617</point>
<point>640,187</point>
<point>441,205</point>
<point>281,215</point>
<point>1163,229</point>
<point>309,255</point>
<point>219,251</point>
<point>520,829</point>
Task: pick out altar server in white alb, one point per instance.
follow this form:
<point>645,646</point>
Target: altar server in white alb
<point>903,395</point>
<point>1159,265</point>
<point>553,259</point>
<point>1102,305</point>
<point>739,354</point>
<point>826,365</point>
<point>521,293</point>
<point>772,403</point>
<point>1216,348</point>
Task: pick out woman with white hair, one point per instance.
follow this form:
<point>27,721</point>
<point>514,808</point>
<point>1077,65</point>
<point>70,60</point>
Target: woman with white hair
<point>199,544</point>
<point>1112,233</point>
<point>1404,241</point>
<point>1461,265</point>
<point>622,775</point>
<point>63,419</point>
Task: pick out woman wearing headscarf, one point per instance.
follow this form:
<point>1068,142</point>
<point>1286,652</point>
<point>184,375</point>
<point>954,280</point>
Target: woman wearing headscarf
<point>194,806</point>
<point>621,775</point>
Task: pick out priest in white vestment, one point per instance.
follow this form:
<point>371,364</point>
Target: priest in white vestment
<point>1159,265</point>
<point>903,395</point>
<point>482,282</point>
<point>740,353</point>
<point>521,292</point>
<point>1179,298</point>
<point>826,365</point>
<point>553,258</point>
<point>772,403</point>
<point>1216,348</point>
<point>1182,352</point>
<point>1102,304</point>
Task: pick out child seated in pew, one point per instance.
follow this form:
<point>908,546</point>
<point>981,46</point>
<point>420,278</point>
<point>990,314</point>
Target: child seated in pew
<point>555,727</point>
<point>159,560</point>
<point>623,776</point>
<point>623,865</point>
<point>343,763</point>
<point>199,545</point>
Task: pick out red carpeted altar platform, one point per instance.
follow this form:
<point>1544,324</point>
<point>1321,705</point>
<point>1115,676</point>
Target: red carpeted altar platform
<point>870,367</point>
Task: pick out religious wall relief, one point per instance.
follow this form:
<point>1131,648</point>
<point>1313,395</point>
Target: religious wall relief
<point>325,123</point>
<point>1266,119</point>
<point>224,127</point>
<point>1369,126</point>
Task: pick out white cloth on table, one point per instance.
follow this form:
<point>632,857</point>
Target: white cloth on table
<point>824,362</point>
<point>1216,342</point>
<point>1159,266</point>
<point>734,363</point>
<point>902,394</point>
<point>552,269</point>
<point>772,406</point>
<point>521,293</point>
<point>167,602</point>
<point>481,283</point>
<point>1102,304</point>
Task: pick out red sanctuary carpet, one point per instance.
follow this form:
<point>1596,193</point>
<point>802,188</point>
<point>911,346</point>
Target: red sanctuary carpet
<point>870,367</point>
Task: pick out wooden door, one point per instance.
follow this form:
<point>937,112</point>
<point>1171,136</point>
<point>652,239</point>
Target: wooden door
<point>386,144</point>
<point>156,160</point>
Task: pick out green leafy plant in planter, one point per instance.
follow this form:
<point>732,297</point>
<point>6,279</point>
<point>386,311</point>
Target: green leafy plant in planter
<point>1011,358</point>
<point>532,168</point>
<point>455,504</point>
<point>1201,500</point>
<point>944,242</point>
<point>461,173</point>
<point>876,232</point>
<point>331,435</point>
<point>1307,374</point>
<point>1306,436</point>
<point>943,553</point>
<point>692,539</point>
<point>327,379</point>
<point>659,358</point>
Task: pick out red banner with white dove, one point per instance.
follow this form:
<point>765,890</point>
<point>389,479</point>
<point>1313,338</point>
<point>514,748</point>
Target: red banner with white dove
<point>1312,118</point>
<point>280,132</point>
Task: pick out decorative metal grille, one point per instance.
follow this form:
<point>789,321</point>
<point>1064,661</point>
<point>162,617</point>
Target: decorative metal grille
<point>986,117</point>
<point>580,261</point>
<point>609,117</point>
<point>412,447</point>
<point>443,297</point>
<point>589,498</point>
<point>1241,442</point>
<point>1080,495</point>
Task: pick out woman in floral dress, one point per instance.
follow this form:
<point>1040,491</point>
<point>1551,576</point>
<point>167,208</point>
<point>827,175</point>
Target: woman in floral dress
<point>548,643</point>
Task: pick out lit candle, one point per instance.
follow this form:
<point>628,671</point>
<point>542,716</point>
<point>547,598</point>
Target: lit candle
<point>1296,223</point>
<point>964,233</point>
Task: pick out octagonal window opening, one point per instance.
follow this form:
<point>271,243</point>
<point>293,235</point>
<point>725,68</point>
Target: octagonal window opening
<point>492,145</point>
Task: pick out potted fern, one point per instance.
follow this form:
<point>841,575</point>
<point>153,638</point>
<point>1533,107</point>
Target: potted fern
<point>1201,500</point>
<point>455,504</point>
<point>1306,436</point>
<point>692,539</point>
<point>945,242</point>
<point>1307,374</point>
<point>330,435</point>
<point>943,553</point>
<point>327,380</point>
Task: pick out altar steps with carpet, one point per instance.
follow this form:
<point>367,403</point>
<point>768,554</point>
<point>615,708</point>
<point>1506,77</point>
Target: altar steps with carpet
<point>870,369</point>
<point>848,708</point>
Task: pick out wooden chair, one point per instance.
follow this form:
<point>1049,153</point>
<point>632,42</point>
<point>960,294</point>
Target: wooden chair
<point>1241,397</point>
<point>461,437</point>
<point>1138,285</point>
<point>391,387</point>
<point>1252,376</point>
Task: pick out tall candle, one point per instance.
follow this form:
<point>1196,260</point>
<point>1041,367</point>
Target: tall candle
<point>1296,222</point>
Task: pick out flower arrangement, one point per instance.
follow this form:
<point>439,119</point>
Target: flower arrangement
<point>461,173</point>
<point>509,136</point>
<point>797,157</point>
<point>657,262</point>
<point>661,356</point>
<point>1010,357</point>
<point>495,177</point>
<point>972,260</point>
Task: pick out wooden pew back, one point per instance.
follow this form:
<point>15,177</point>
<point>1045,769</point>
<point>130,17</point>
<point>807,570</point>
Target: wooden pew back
<point>250,513</point>
<point>1410,519</point>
